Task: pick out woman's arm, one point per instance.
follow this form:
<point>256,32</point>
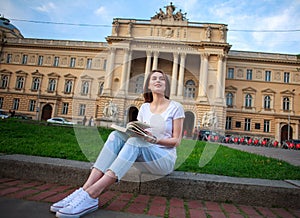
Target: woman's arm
<point>176,137</point>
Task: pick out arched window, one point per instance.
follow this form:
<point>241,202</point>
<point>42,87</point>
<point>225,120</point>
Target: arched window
<point>139,83</point>
<point>189,89</point>
<point>4,81</point>
<point>248,100</point>
<point>286,104</point>
<point>267,102</point>
<point>229,99</point>
<point>85,87</point>
<point>20,82</point>
<point>68,86</point>
<point>52,85</point>
<point>36,84</point>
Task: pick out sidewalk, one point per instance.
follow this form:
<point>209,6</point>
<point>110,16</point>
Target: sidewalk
<point>25,198</point>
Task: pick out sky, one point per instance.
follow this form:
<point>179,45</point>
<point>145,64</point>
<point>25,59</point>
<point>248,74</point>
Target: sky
<point>253,25</point>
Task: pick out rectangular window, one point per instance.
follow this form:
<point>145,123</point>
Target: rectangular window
<point>1,102</point>
<point>40,60</point>
<point>268,76</point>
<point>238,124</point>
<point>24,59</point>
<point>65,108</point>
<point>230,74</point>
<point>8,58</point>
<point>104,64</point>
<point>32,105</point>
<point>89,63</point>
<point>228,124</point>
<point>72,62</point>
<point>286,77</point>
<point>247,124</point>
<point>16,103</point>
<point>249,74</point>
<point>257,126</point>
<point>56,61</point>
<point>266,125</point>
<point>82,109</point>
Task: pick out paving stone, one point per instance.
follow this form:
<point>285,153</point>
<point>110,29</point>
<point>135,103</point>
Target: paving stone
<point>157,210</point>
<point>195,213</point>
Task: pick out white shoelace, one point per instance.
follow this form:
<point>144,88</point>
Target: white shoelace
<point>71,196</point>
<point>78,200</point>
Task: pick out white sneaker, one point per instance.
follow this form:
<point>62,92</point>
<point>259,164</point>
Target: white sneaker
<point>80,205</point>
<point>64,202</point>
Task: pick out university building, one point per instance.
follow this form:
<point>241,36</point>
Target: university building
<point>232,92</point>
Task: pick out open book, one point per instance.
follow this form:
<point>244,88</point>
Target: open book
<point>135,129</point>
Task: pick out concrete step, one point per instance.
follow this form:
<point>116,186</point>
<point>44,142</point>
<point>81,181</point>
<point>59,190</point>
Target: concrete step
<point>248,191</point>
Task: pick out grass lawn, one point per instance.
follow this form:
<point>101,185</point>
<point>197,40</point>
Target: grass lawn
<point>84,144</point>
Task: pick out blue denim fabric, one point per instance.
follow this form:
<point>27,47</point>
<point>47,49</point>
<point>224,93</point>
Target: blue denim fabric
<point>119,153</point>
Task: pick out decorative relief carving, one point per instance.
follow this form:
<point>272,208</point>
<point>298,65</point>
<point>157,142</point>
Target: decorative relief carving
<point>240,73</point>
<point>169,33</point>
<point>259,75</point>
<point>278,76</point>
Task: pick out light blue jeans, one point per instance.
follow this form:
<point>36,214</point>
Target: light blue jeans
<point>120,152</point>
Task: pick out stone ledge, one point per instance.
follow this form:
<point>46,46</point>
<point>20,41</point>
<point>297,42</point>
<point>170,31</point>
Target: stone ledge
<point>260,192</point>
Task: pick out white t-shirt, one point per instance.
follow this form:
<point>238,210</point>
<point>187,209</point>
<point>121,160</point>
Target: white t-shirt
<point>161,124</point>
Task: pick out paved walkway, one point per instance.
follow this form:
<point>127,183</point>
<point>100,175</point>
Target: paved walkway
<point>289,155</point>
<point>24,198</point>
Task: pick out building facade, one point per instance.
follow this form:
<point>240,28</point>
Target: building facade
<point>232,92</point>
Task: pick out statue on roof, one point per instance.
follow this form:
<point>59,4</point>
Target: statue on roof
<point>169,14</point>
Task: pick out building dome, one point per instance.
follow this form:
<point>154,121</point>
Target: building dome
<point>7,30</point>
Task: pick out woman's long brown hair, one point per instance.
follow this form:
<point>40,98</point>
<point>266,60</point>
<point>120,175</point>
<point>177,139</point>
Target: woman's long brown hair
<point>148,97</point>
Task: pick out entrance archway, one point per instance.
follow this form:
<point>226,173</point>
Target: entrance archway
<point>285,131</point>
<point>46,112</point>
<point>132,114</point>
<point>188,124</point>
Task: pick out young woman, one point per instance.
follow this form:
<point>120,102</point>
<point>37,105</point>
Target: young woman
<point>120,152</point>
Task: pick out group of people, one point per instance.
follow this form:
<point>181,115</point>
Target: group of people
<point>120,152</point>
<point>90,123</point>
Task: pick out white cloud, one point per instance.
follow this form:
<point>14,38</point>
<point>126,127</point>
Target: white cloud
<point>46,7</point>
<point>100,10</point>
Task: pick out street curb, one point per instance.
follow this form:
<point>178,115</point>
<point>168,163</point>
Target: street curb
<point>256,192</point>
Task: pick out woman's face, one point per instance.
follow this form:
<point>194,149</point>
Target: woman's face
<point>157,83</point>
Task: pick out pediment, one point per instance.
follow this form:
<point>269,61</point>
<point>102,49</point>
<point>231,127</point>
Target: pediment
<point>4,71</point>
<point>53,75</point>
<point>230,88</point>
<point>268,90</point>
<point>37,73</point>
<point>86,77</point>
<point>287,92</point>
<point>249,89</point>
<point>21,72</point>
<point>70,76</point>
<point>101,78</point>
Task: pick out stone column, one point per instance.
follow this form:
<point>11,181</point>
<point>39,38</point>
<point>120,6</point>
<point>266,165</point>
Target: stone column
<point>109,73</point>
<point>203,78</point>
<point>155,60</point>
<point>181,75</point>
<point>124,72</point>
<point>174,75</point>
<point>219,82</point>
<point>128,71</point>
<point>148,65</point>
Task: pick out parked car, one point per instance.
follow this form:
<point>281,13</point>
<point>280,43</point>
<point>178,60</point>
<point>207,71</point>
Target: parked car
<point>3,114</point>
<point>22,116</point>
<point>60,120</point>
